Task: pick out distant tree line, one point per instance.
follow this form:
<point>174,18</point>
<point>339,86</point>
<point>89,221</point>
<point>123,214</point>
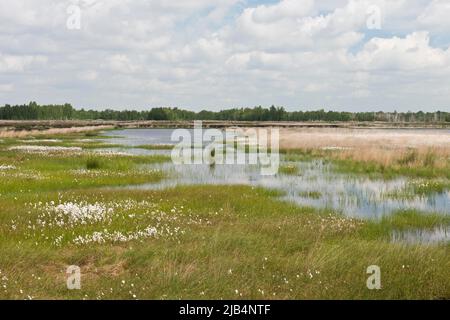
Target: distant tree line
<point>33,111</point>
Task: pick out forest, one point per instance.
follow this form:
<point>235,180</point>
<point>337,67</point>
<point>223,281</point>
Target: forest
<point>33,111</point>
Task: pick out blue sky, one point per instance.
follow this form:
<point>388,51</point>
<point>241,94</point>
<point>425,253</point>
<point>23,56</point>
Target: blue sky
<point>215,54</point>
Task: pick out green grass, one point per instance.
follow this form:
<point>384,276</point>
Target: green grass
<point>409,158</point>
<point>289,169</point>
<point>229,242</point>
<point>35,173</point>
<point>311,194</point>
<point>376,170</point>
<point>156,147</point>
<point>425,168</point>
<point>71,143</point>
<point>293,155</point>
<point>403,221</point>
<point>91,134</point>
<point>428,187</point>
<point>235,238</point>
<point>64,171</point>
<point>94,164</point>
<point>423,187</point>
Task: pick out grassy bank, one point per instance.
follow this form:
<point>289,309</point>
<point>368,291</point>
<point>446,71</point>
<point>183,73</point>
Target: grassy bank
<point>385,164</point>
<point>60,207</point>
<point>215,242</point>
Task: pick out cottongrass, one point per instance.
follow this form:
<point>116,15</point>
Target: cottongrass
<point>79,213</point>
<point>86,140</point>
<point>73,221</point>
<point>41,141</point>
<point>336,224</point>
<point>44,149</point>
<point>105,236</point>
<point>30,175</point>
<point>428,186</point>
<point>106,152</point>
<point>3,281</point>
<point>7,167</point>
<point>85,173</point>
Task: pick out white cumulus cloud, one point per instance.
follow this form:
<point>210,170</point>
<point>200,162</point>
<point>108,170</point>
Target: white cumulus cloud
<point>227,53</point>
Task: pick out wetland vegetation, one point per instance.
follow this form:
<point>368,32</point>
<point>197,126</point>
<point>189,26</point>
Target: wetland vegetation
<point>139,227</point>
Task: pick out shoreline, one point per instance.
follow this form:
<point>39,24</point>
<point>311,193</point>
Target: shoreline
<point>27,125</point>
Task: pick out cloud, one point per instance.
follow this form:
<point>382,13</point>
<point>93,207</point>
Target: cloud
<point>436,15</point>
<point>226,53</point>
<point>408,54</point>
<point>6,87</point>
<point>281,10</point>
<point>19,64</point>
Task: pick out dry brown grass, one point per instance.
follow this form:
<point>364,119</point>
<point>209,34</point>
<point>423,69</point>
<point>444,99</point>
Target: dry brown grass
<point>423,156</point>
<point>25,133</point>
<point>357,138</point>
<point>387,147</point>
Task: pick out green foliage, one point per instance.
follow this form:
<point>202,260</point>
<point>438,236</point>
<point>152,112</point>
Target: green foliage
<point>430,159</point>
<point>93,164</point>
<point>311,194</point>
<point>213,242</point>
<point>409,158</point>
<point>156,147</point>
<point>427,187</point>
<point>253,247</point>
<point>33,111</point>
<point>289,169</point>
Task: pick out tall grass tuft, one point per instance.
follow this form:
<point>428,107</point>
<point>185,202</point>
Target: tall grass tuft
<point>289,169</point>
<point>430,159</point>
<point>93,164</point>
<point>409,158</point>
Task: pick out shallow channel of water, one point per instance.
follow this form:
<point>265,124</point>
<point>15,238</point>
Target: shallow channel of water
<point>316,184</point>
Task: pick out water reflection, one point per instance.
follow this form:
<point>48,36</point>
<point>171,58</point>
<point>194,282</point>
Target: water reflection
<point>315,183</point>
<point>434,236</point>
<point>138,137</point>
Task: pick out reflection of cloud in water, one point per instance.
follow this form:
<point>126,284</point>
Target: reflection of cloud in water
<point>437,235</point>
<point>353,195</point>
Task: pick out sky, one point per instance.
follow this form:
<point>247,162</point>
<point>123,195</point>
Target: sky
<point>352,55</point>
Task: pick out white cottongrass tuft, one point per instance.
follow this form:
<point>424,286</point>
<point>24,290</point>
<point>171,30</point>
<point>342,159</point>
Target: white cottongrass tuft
<point>7,167</point>
<point>42,149</point>
<point>115,236</point>
<point>106,152</point>
<point>79,222</point>
<point>42,141</point>
<point>69,214</point>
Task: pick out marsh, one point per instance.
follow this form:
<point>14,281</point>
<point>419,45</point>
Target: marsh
<point>141,227</point>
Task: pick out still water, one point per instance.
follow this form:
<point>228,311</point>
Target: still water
<point>435,236</point>
<point>315,184</point>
